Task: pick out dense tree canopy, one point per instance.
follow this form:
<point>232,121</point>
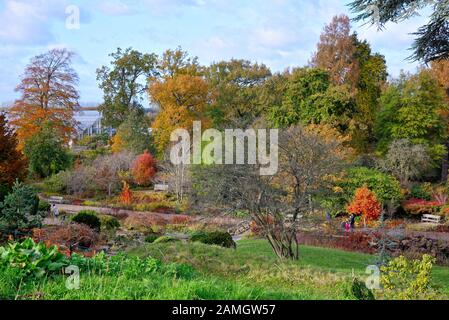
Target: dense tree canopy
<point>411,109</point>
<point>133,134</point>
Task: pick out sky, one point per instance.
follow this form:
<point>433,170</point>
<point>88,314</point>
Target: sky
<point>279,33</point>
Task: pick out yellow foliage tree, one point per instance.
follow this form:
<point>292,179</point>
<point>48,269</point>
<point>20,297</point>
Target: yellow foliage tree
<point>182,99</point>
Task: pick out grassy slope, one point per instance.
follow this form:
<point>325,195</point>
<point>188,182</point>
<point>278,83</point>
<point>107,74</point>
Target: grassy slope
<point>250,272</point>
<point>257,255</point>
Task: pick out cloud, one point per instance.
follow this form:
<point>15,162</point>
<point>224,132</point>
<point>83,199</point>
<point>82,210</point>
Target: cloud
<point>117,8</point>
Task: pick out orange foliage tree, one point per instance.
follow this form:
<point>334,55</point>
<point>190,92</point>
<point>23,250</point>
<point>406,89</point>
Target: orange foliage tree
<point>144,169</point>
<point>126,196</point>
<point>365,203</point>
<point>48,95</point>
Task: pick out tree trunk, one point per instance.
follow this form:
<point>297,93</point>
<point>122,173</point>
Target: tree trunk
<point>445,163</point>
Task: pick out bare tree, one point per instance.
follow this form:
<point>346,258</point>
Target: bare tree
<point>276,202</point>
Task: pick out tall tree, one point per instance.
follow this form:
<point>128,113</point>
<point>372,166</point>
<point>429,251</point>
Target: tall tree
<point>48,95</point>
<point>440,70</point>
<point>12,164</point>
<point>336,51</point>
<point>124,84</point>
<point>432,42</point>
<point>411,109</point>
<point>238,85</point>
<point>182,95</point>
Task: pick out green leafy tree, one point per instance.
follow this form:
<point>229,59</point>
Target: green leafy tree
<point>238,85</point>
<point>133,134</point>
<point>310,98</point>
<point>432,42</point>
<point>411,109</point>
<point>46,153</point>
<point>20,209</point>
<point>123,84</point>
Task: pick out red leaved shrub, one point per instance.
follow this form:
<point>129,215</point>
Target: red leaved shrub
<point>421,206</point>
<point>144,169</point>
<point>365,203</point>
<point>72,237</point>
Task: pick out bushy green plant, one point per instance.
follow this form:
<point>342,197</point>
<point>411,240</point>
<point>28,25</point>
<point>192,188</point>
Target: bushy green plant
<point>32,259</point>
<point>44,206</point>
<point>219,238</point>
<point>57,183</point>
<point>151,238</point>
<point>404,279</point>
<point>179,270</point>
<point>418,192</point>
<point>109,223</point>
<point>356,289</point>
<point>89,218</point>
<point>165,239</point>
<point>20,209</point>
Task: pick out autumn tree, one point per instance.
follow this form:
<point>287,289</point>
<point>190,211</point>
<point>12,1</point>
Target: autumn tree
<point>12,163</point>
<point>336,50</point>
<point>182,95</point>
<point>124,83</point>
<point>352,63</point>
<point>48,95</point>
<point>144,169</point>
<point>365,203</point>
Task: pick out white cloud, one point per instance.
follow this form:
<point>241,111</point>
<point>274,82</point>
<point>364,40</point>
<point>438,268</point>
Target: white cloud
<point>115,8</point>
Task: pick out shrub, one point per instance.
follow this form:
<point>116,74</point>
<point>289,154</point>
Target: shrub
<point>420,206</point>
<point>109,222</point>
<point>88,218</point>
<point>219,238</point>
<point>366,204</point>
<point>144,222</point>
<point>57,183</point>
<point>144,169</point>
<point>151,238</point>
<point>356,289</point>
<point>44,206</point>
<point>165,239</point>
<point>403,279</point>
<point>33,259</point>
<point>68,237</point>
<point>20,209</point>
<point>418,192</point>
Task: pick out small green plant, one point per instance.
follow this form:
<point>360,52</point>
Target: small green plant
<point>44,206</point>
<point>32,259</point>
<point>356,289</point>
<point>89,218</point>
<point>404,279</point>
<point>151,238</point>
<point>418,192</point>
<point>109,223</point>
<point>219,238</point>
